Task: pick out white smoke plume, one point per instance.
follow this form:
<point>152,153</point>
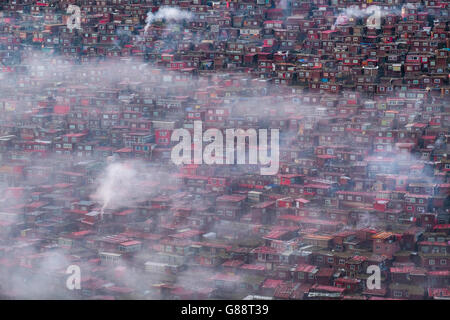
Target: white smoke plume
<point>124,184</point>
<point>168,13</point>
<point>113,188</point>
<point>354,12</point>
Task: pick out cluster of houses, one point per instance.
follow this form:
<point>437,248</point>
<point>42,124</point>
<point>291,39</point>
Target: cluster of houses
<point>363,112</point>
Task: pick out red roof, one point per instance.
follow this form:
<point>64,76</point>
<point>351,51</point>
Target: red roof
<point>130,243</point>
<point>58,109</point>
<point>276,234</point>
<point>271,283</point>
<point>325,272</point>
<point>186,234</point>
<point>124,212</point>
<point>305,268</point>
<point>442,226</point>
<point>37,204</point>
<point>252,267</point>
<point>402,269</point>
<point>273,21</point>
<point>318,287</point>
<point>433,243</point>
<point>326,156</point>
<point>347,280</point>
<point>284,290</point>
<point>263,205</point>
<point>79,234</point>
<point>74,135</point>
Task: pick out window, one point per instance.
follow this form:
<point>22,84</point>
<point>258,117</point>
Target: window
<point>398,293</point>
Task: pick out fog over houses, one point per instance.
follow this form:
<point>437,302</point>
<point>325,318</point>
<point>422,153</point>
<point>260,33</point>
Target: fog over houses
<point>358,91</point>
